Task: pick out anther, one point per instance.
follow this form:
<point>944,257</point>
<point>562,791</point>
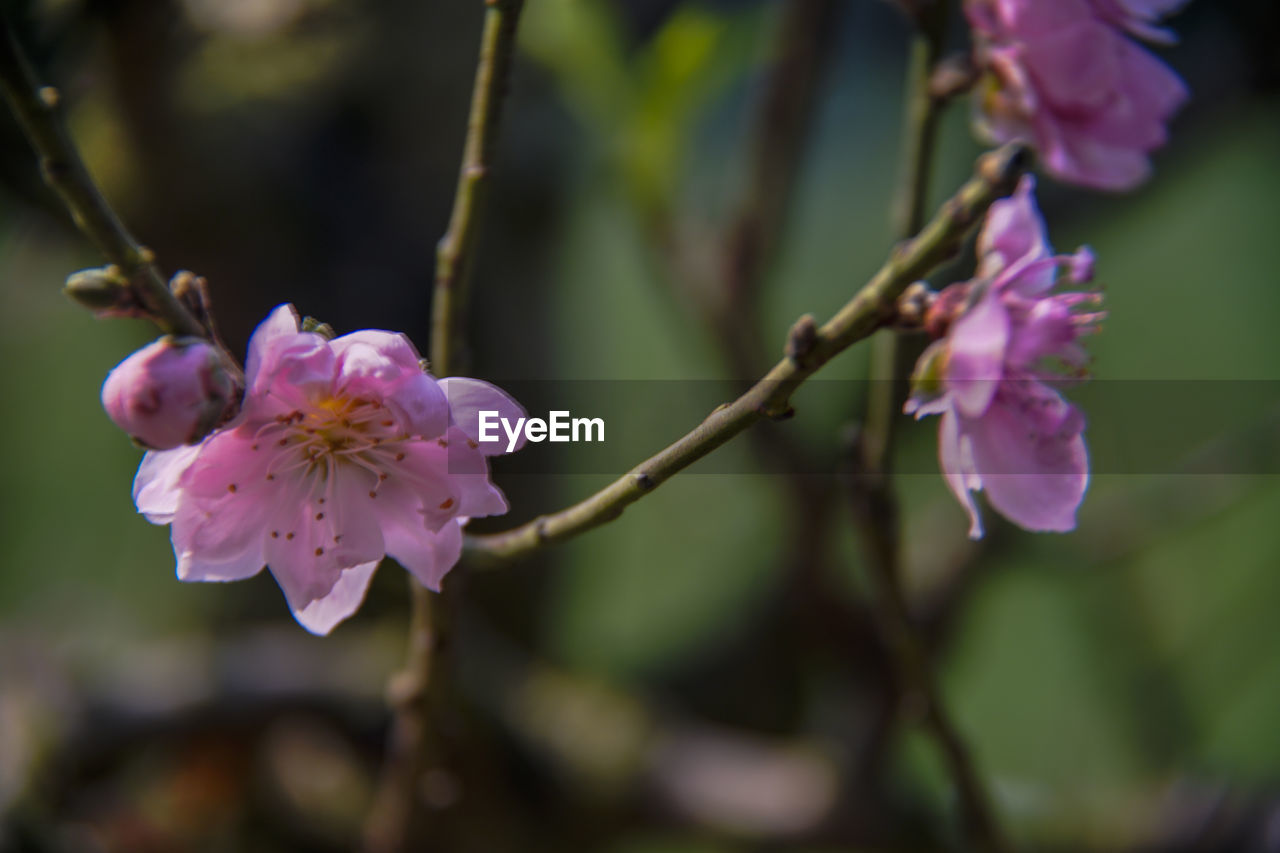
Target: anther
<point>399,457</point>
<point>275,534</point>
<point>319,516</point>
<point>319,552</point>
<point>447,504</point>
<point>231,487</point>
<point>289,536</point>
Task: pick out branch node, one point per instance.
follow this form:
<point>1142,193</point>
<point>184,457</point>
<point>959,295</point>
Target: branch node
<point>644,482</point>
<point>774,413</point>
<point>802,339</point>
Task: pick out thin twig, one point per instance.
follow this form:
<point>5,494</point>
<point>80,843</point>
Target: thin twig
<point>875,502</point>
<point>782,125</point>
<point>917,688</point>
<point>809,347</point>
<point>455,252</point>
<point>390,824</point>
<point>36,108</point>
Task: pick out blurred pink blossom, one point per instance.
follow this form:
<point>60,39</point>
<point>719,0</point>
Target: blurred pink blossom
<point>1004,429</point>
<point>344,451</point>
<point>1064,75</point>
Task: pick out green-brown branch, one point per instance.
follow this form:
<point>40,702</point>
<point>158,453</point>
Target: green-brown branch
<point>390,824</point>
<point>36,108</point>
<point>455,252</point>
<point>875,502</point>
<point>808,349</point>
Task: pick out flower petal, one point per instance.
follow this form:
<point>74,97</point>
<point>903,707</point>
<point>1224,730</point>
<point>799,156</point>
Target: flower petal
<point>321,615</point>
<point>156,489</point>
<point>281,323</point>
<point>975,360</point>
<point>322,526</point>
<point>955,455</point>
<point>469,397</point>
<point>428,556</point>
<point>1028,450</point>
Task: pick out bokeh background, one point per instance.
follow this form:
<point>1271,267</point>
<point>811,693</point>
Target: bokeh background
<point>704,676</point>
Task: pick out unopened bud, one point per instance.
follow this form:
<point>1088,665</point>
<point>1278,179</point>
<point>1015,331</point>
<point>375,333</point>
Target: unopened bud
<point>173,391</point>
<point>104,291</point>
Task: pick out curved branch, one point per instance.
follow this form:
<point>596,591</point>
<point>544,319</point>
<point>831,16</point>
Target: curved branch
<point>808,349</point>
<point>36,108</point>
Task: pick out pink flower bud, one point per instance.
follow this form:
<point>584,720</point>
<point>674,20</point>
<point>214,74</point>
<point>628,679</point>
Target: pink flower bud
<point>170,392</point>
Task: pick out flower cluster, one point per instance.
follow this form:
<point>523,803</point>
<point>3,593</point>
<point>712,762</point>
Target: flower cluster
<point>344,451</point>
<point>1004,339</point>
<point>1065,75</point>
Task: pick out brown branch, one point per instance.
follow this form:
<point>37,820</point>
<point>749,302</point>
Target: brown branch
<point>37,109</point>
<point>809,348</point>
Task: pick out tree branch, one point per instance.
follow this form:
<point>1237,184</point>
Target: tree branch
<point>390,823</point>
<point>914,672</point>
<point>36,108</point>
<point>875,503</point>
<point>454,253</point>
<point>808,349</point>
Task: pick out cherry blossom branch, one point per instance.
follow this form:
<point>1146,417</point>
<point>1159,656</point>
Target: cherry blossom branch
<point>808,348</point>
<point>390,823</point>
<point>36,108</point>
<point>456,249</point>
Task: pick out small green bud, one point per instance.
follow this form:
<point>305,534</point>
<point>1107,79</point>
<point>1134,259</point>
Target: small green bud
<point>104,291</point>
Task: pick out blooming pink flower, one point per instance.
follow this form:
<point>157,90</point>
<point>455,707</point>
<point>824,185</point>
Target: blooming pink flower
<point>1063,75</point>
<point>344,451</point>
<point>1004,429</point>
<point>170,392</point>
<point>1139,16</point>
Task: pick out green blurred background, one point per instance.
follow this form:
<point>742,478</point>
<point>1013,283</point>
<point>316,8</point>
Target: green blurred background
<point>675,682</point>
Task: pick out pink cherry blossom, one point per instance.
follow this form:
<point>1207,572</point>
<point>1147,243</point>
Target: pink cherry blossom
<point>172,391</point>
<point>1004,429</point>
<point>1063,75</point>
<point>345,450</point>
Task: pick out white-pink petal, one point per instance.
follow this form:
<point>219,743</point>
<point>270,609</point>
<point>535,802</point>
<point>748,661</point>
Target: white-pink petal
<point>323,614</point>
<point>469,397</point>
